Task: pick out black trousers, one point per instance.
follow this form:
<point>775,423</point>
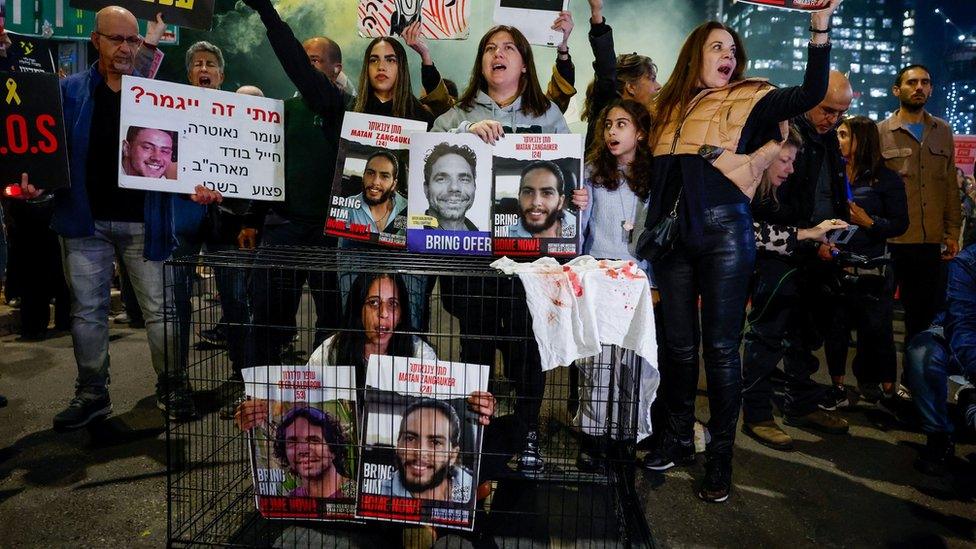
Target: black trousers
<point>493,314</point>
<point>36,270</point>
<point>921,278</point>
<point>870,313</point>
<point>276,296</point>
<point>717,271</point>
<point>785,324</point>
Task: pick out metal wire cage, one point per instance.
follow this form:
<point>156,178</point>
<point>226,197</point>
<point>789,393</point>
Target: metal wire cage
<point>279,305</point>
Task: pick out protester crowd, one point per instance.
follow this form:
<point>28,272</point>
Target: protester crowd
<point>738,198</point>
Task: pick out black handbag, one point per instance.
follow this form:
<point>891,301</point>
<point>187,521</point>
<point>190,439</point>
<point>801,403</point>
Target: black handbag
<point>656,242</point>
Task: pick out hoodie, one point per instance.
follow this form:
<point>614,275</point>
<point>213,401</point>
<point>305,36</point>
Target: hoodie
<point>511,117</point>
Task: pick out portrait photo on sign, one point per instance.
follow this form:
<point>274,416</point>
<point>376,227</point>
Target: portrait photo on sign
<point>533,198</point>
<point>451,183</point>
<point>374,184</point>
<point>427,442</point>
<point>421,450</point>
<point>302,440</point>
<point>150,152</point>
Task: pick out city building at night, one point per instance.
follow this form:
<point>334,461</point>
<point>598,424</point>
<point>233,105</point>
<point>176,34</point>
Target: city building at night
<point>867,37</point>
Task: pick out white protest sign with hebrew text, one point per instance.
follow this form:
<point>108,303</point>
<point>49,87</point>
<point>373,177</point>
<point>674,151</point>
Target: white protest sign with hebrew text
<point>174,137</point>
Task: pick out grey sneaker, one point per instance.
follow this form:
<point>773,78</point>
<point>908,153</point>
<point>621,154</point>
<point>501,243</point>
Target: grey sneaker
<point>82,410</point>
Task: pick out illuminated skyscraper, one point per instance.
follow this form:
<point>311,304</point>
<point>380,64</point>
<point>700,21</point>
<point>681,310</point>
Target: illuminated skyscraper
<point>867,37</point>
<point>960,91</point>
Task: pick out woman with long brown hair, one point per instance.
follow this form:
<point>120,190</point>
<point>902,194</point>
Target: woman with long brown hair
<point>384,82</point>
<point>716,133</point>
<point>879,208</point>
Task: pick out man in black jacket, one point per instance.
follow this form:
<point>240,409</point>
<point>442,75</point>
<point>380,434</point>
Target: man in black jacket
<point>313,121</point>
<point>781,326</point>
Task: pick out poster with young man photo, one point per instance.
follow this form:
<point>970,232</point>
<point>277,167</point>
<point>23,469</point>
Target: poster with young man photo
<point>301,431</point>
<point>533,213</point>
<point>369,192</point>
<point>422,443</point>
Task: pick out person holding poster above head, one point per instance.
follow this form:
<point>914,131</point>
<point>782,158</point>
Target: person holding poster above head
<point>98,221</point>
<point>312,125</point>
<point>384,82</point>
<point>715,133</point>
<point>624,76</point>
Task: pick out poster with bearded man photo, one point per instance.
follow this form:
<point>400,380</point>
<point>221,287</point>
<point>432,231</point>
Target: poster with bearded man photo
<point>301,431</point>
<point>422,444</point>
<point>369,192</point>
<point>532,200</point>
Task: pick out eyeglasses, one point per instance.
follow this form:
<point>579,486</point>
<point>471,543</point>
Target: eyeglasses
<point>833,113</point>
<point>117,39</point>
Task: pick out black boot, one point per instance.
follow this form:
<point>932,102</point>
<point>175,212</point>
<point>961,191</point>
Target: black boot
<point>718,480</point>
<point>592,454</point>
<point>934,458</point>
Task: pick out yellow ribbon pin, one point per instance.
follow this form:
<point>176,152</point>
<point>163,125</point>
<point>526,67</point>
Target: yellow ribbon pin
<point>12,91</point>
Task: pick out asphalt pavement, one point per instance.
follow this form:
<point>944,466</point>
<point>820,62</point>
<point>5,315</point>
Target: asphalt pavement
<point>106,487</point>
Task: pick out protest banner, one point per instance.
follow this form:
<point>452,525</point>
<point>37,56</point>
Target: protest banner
<point>33,135</point>
<point>369,192</point>
<point>965,152</point>
<point>26,54</point>
<point>175,137</point>
<point>794,5</point>
<point>449,204</point>
<point>194,14</point>
<point>440,19</point>
<point>533,18</point>
<point>532,210</point>
<point>421,445</point>
<point>303,441</point>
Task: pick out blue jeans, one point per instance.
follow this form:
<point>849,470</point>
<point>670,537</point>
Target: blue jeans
<point>928,366</point>
<point>89,266</point>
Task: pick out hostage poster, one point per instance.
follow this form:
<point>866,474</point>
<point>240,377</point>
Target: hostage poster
<point>439,19</point>
<point>449,208</point>
<point>33,137</point>
<point>301,432</point>
<point>175,137</point>
<point>795,5</point>
<point>369,192</point>
<point>422,446</point>
<point>532,209</point>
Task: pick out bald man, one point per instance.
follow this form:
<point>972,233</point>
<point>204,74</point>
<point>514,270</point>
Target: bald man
<point>787,329</point>
<point>100,222</point>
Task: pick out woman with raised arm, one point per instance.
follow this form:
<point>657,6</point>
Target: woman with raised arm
<point>716,133</point>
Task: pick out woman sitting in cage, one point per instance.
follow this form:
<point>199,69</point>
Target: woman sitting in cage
<point>373,323</point>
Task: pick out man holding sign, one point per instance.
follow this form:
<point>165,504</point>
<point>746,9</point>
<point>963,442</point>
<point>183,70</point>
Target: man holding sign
<point>98,221</point>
